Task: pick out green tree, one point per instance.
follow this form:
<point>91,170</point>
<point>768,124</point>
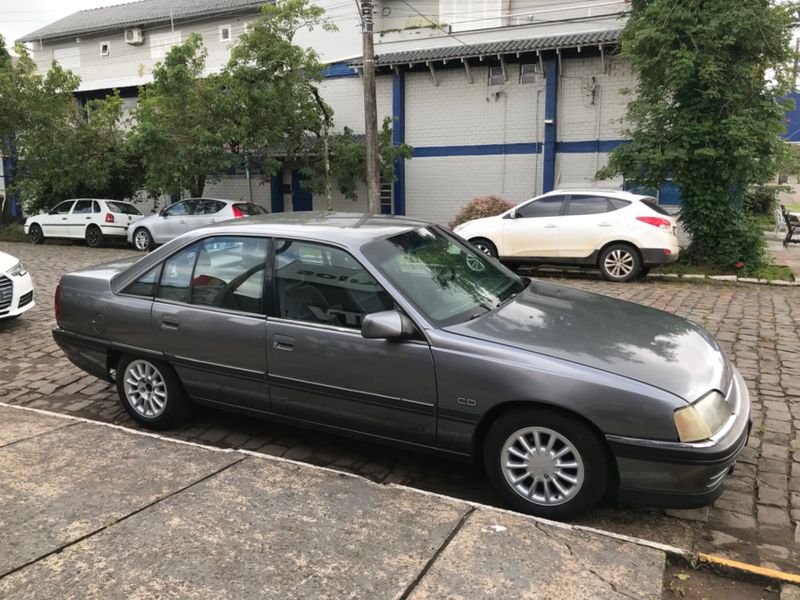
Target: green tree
<point>708,112</point>
<point>180,123</point>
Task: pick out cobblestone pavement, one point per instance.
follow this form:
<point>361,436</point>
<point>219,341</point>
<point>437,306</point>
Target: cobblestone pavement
<point>756,520</point>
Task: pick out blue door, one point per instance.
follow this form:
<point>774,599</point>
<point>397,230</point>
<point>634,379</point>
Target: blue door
<point>301,197</point>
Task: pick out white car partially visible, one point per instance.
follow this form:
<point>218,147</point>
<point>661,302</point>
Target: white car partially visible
<point>16,287</point>
<point>89,219</point>
<point>622,234</point>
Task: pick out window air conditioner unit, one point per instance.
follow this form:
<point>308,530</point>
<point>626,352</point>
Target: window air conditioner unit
<point>134,36</point>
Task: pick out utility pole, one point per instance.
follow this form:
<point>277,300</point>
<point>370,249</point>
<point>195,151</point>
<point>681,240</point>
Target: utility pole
<point>370,109</point>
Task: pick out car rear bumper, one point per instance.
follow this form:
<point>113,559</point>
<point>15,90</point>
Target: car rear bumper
<point>654,257</point>
<point>84,352</point>
<point>683,475</point>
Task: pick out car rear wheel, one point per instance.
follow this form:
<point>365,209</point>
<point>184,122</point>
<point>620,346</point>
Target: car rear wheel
<point>151,392</point>
<point>35,234</point>
<point>94,237</point>
<point>485,246</point>
<point>620,262</point>
<point>545,463</point>
<point>142,240</point>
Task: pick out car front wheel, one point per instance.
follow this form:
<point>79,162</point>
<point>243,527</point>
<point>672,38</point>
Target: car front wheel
<point>620,262</point>
<point>151,392</point>
<point>485,246</point>
<point>545,463</point>
<point>35,234</point>
<point>142,240</point>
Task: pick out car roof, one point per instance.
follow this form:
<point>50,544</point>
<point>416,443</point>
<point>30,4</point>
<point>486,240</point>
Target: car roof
<point>350,229</point>
<point>599,191</point>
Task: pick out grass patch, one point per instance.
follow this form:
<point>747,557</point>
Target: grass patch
<point>769,272</point>
<point>12,233</point>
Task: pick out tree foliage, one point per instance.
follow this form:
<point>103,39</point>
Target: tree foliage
<point>180,123</point>
<point>708,112</point>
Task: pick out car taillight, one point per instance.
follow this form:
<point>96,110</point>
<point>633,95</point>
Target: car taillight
<point>656,222</point>
<point>109,218</point>
<point>237,214</point>
<point>57,304</point>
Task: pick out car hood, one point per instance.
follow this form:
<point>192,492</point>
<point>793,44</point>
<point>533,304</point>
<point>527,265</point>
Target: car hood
<point>637,342</point>
<point>6,262</point>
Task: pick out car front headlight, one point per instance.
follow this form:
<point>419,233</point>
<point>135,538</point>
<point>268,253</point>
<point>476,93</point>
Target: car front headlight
<point>703,419</point>
<point>17,270</point>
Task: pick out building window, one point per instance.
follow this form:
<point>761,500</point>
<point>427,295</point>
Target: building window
<point>105,48</point>
<point>224,33</point>
<point>528,73</point>
<point>497,75</point>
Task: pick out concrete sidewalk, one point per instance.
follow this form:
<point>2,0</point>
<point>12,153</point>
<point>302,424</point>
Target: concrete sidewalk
<point>90,510</point>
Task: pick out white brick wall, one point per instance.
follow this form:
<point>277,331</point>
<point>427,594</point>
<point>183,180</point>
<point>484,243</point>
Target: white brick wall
<point>345,95</point>
<point>236,188</point>
<point>577,170</point>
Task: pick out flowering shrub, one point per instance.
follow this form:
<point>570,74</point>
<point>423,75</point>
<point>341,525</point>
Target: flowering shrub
<point>480,207</point>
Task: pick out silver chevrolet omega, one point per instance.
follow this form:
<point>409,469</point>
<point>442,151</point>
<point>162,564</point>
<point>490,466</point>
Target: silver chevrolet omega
<point>395,330</point>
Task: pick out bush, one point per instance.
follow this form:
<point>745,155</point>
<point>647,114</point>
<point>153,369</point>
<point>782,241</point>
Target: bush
<point>739,243</point>
<point>480,207</point>
<point>760,201</point>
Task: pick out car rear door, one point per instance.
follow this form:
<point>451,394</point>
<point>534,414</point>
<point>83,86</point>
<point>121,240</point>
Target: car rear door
<point>205,212</point>
<point>208,319</point>
<point>322,370</point>
<point>534,229</point>
<point>171,223</point>
<point>79,218</point>
<point>587,223</point>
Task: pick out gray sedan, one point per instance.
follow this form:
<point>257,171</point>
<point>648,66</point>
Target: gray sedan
<point>397,330</point>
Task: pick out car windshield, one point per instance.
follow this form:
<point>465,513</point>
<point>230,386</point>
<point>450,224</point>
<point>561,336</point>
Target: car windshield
<point>447,280</point>
<point>123,207</point>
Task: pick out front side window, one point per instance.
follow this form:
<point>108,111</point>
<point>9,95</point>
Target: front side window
<point>177,277</point>
<point>230,273</point>
<point>587,205</point>
<point>543,207</point>
<point>82,207</point>
<point>447,280</point>
<point>179,208</point>
<point>321,284</point>
<point>63,208</point>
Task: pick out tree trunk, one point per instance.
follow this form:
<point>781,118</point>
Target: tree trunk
<point>198,185</point>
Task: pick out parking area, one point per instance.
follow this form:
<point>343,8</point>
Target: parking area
<point>757,519</point>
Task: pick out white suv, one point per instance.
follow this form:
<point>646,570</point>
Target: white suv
<point>90,219</point>
<point>622,234</point>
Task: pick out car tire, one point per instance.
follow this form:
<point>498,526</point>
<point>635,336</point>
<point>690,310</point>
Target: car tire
<point>151,392</point>
<point>142,240</point>
<point>620,263</point>
<point>35,234</point>
<point>545,485</point>
<point>644,272</point>
<point>94,237</point>
<point>485,246</point>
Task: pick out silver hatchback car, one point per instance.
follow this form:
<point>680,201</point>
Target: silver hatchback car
<point>186,215</point>
<point>398,330</point>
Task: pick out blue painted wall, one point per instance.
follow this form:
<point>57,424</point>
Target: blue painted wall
<point>399,137</point>
<point>793,120</point>
<point>550,116</point>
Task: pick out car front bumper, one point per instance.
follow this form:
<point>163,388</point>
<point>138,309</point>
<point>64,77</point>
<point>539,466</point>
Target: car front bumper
<point>683,475</point>
<point>21,296</point>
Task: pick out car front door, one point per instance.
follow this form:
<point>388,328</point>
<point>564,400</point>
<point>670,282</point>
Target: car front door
<point>208,319</point>
<point>56,222</point>
<point>587,222</point>
<point>322,370</point>
<point>79,218</point>
<point>171,222</point>
<point>533,230</point>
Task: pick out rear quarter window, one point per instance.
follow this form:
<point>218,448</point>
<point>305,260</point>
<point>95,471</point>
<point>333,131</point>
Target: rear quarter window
<point>653,205</point>
<point>250,209</point>
<point>123,208</point>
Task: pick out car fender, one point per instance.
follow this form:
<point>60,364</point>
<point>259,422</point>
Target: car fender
<point>490,228</point>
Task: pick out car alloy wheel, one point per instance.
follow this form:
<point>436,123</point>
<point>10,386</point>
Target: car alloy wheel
<point>151,392</point>
<point>542,466</point>
<point>485,246</point>
<point>546,462</point>
<point>35,234</point>
<point>145,388</point>
<point>142,240</point>
<point>620,262</point>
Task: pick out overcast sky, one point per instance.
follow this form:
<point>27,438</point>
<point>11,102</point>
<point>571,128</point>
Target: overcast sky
<point>19,17</point>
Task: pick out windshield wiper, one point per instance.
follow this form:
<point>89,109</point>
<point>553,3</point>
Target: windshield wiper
<point>485,310</point>
<point>506,300</point>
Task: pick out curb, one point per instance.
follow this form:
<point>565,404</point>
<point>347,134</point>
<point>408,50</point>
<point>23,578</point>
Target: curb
<point>692,559</point>
<point>693,277</point>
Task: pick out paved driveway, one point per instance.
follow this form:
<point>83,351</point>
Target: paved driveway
<point>756,519</point>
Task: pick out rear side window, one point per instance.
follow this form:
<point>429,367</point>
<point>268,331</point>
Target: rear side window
<point>587,205</point>
<point>250,209</point>
<point>82,207</point>
<point>123,208</point>
<point>544,207</point>
<point>146,284</point>
<point>206,207</point>
<point>177,277</point>
<point>653,205</point>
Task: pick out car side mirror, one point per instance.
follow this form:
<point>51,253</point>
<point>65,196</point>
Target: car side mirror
<point>512,214</point>
<point>387,324</point>
<point>162,212</point>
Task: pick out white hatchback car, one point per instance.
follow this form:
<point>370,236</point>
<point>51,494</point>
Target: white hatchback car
<point>90,219</point>
<point>16,287</point>
<point>622,234</point>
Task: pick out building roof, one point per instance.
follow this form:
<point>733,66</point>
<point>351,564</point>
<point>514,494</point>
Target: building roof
<point>530,44</point>
<point>136,13</point>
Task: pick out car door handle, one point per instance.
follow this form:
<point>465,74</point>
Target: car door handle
<point>604,224</point>
<point>550,226</point>
<point>170,322</point>
<point>63,218</point>
<point>283,342</point>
